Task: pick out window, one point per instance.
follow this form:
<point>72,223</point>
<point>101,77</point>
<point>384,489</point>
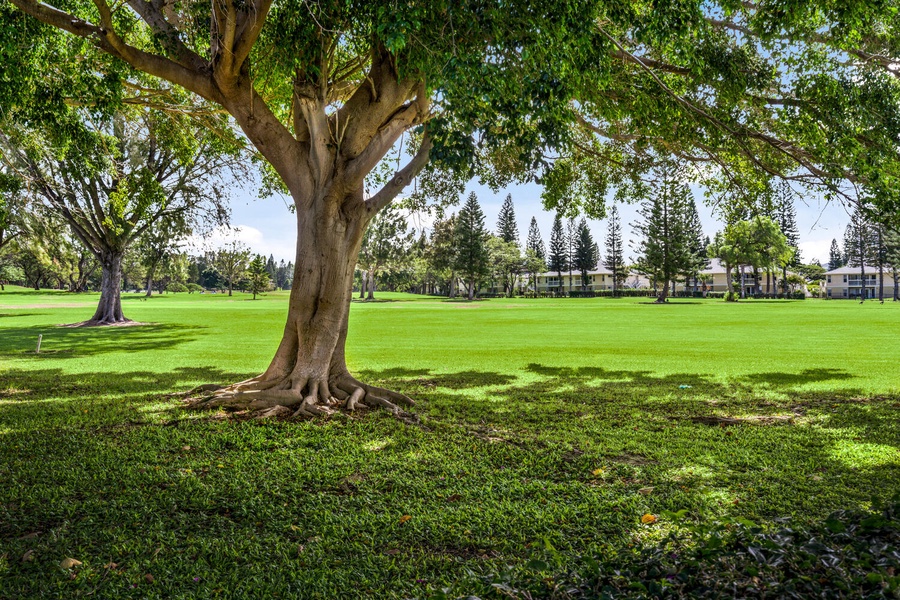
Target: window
<point>829,279</point>
<point>845,279</point>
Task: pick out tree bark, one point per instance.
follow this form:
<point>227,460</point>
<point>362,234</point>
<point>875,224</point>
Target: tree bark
<point>309,372</point>
<point>362,285</point>
<point>109,309</point>
<point>150,281</point>
<point>663,293</point>
<point>371,279</point>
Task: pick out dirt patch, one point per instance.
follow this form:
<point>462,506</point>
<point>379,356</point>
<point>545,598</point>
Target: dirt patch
<point>93,324</point>
<point>635,460</point>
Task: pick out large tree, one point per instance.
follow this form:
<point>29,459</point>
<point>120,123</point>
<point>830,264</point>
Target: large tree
<point>575,93</point>
<point>385,243</point>
<point>663,247</point>
<point>115,178</point>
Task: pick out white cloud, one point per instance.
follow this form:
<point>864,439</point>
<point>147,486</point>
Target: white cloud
<point>252,237</point>
<point>815,249</point>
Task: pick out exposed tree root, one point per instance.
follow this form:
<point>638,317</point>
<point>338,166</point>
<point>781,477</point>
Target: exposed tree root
<point>298,397</point>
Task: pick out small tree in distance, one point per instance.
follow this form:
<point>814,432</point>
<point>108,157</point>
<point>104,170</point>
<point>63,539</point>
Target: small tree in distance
<point>231,262</point>
<point>615,261</point>
<point>558,258</point>
<point>258,275</point>
<point>470,241</point>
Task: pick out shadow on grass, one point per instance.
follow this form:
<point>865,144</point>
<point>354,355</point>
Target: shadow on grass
<point>568,457</point>
<point>70,342</point>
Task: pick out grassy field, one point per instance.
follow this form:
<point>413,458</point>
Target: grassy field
<point>545,424</point>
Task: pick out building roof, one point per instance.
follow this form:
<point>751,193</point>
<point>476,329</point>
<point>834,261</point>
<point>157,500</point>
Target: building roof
<point>598,270</point>
<point>852,270</point>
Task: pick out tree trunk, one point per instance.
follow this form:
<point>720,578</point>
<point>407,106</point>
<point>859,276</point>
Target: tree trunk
<point>862,280</point>
<point>150,281</point>
<point>309,368</point>
<point>743,284</point>
<point>109,309</point>
<point>663,293</point>
<point>471,286</point>
<point>371,278</point>
<point>881,282</point>
<point>895,273</point>
<point>362,284</point>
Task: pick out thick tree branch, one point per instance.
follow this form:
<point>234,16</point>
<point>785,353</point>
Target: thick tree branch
<point>401,178</point>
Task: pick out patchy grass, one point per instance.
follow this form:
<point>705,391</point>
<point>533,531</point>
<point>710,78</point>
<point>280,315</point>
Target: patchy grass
<point>546,423</point>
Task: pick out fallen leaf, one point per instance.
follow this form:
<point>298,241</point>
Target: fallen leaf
<point>648,519</point>
<point>29,536</point>
<point>294,528</point>
<point>111,565</point>
<point>596,472</point>
<point>392,551</point>
<point>68,563</point>
<point>645,490</point>
<point>404,519</point>
<point>185,447</point>
<point>148,578</point>
<point>28,556</point>
<point>454,498</point>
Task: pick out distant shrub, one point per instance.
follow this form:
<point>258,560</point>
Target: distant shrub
<point>176,287</point>
<point>193,287</point>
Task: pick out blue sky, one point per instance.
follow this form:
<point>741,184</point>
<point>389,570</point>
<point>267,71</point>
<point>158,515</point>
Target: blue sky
<point>268,227</point>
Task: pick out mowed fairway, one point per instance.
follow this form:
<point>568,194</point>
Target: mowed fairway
<point>544,423</point>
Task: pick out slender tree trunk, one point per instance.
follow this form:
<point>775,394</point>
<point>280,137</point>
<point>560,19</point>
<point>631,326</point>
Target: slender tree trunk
<point>150,281</point>
<point>109,309</point>
<point>729,281</point>
<point>862,280</point>
<point>743,284</point>
<point>895,273</point>
<point>881,282</point>
<point>363,283</point>
<point>371,278</point>
<point>471,289</point>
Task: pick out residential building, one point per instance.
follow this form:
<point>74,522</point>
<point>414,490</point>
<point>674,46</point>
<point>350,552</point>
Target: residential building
<point>847,283</point>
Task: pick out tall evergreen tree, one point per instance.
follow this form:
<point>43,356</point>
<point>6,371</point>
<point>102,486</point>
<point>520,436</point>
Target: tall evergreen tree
<point>859,247</point>
<point>507,230</point>
<point>696,244</point>
<point>892,257</point>
<point>785,215</point>
<point>835,256</point>
<point>271,269</point>
<point>535,253</point>
<point>585,257</point>
<point>535,242</point>
<point>615,259</point>
<point>470,241</point>
<point>571,244</point>
<point>558,258</point>
<point>664,246</point>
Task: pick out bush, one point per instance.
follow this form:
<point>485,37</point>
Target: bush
<point>849,554</point>
<point>193,287</point>
<point>176,287</point>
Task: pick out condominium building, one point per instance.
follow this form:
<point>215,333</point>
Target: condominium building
<point>847,282</point>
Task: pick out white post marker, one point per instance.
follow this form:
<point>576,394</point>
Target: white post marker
<point>38,349</point>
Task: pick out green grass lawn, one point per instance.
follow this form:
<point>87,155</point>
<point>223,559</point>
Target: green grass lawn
<point>545,423</point>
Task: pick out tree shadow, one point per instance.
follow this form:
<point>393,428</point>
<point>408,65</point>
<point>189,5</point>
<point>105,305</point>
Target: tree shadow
<point>71,342</point>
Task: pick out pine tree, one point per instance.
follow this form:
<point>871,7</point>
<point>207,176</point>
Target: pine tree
<point>859,247</point>
<point>270,266</point>
<point>664,248</point>
<point>535,241</point>
<point>785,214</point>
<point>615,260</point>
<point>258,274</point>
<point>507,230</point>
<point>835,256</point>
<point>696,244</point>
<point>470,244</point>
<point>584,258</point>
<point>892,258</point>
<point>558,259</point>
<point>571,244</point>
<point>440,253</point>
